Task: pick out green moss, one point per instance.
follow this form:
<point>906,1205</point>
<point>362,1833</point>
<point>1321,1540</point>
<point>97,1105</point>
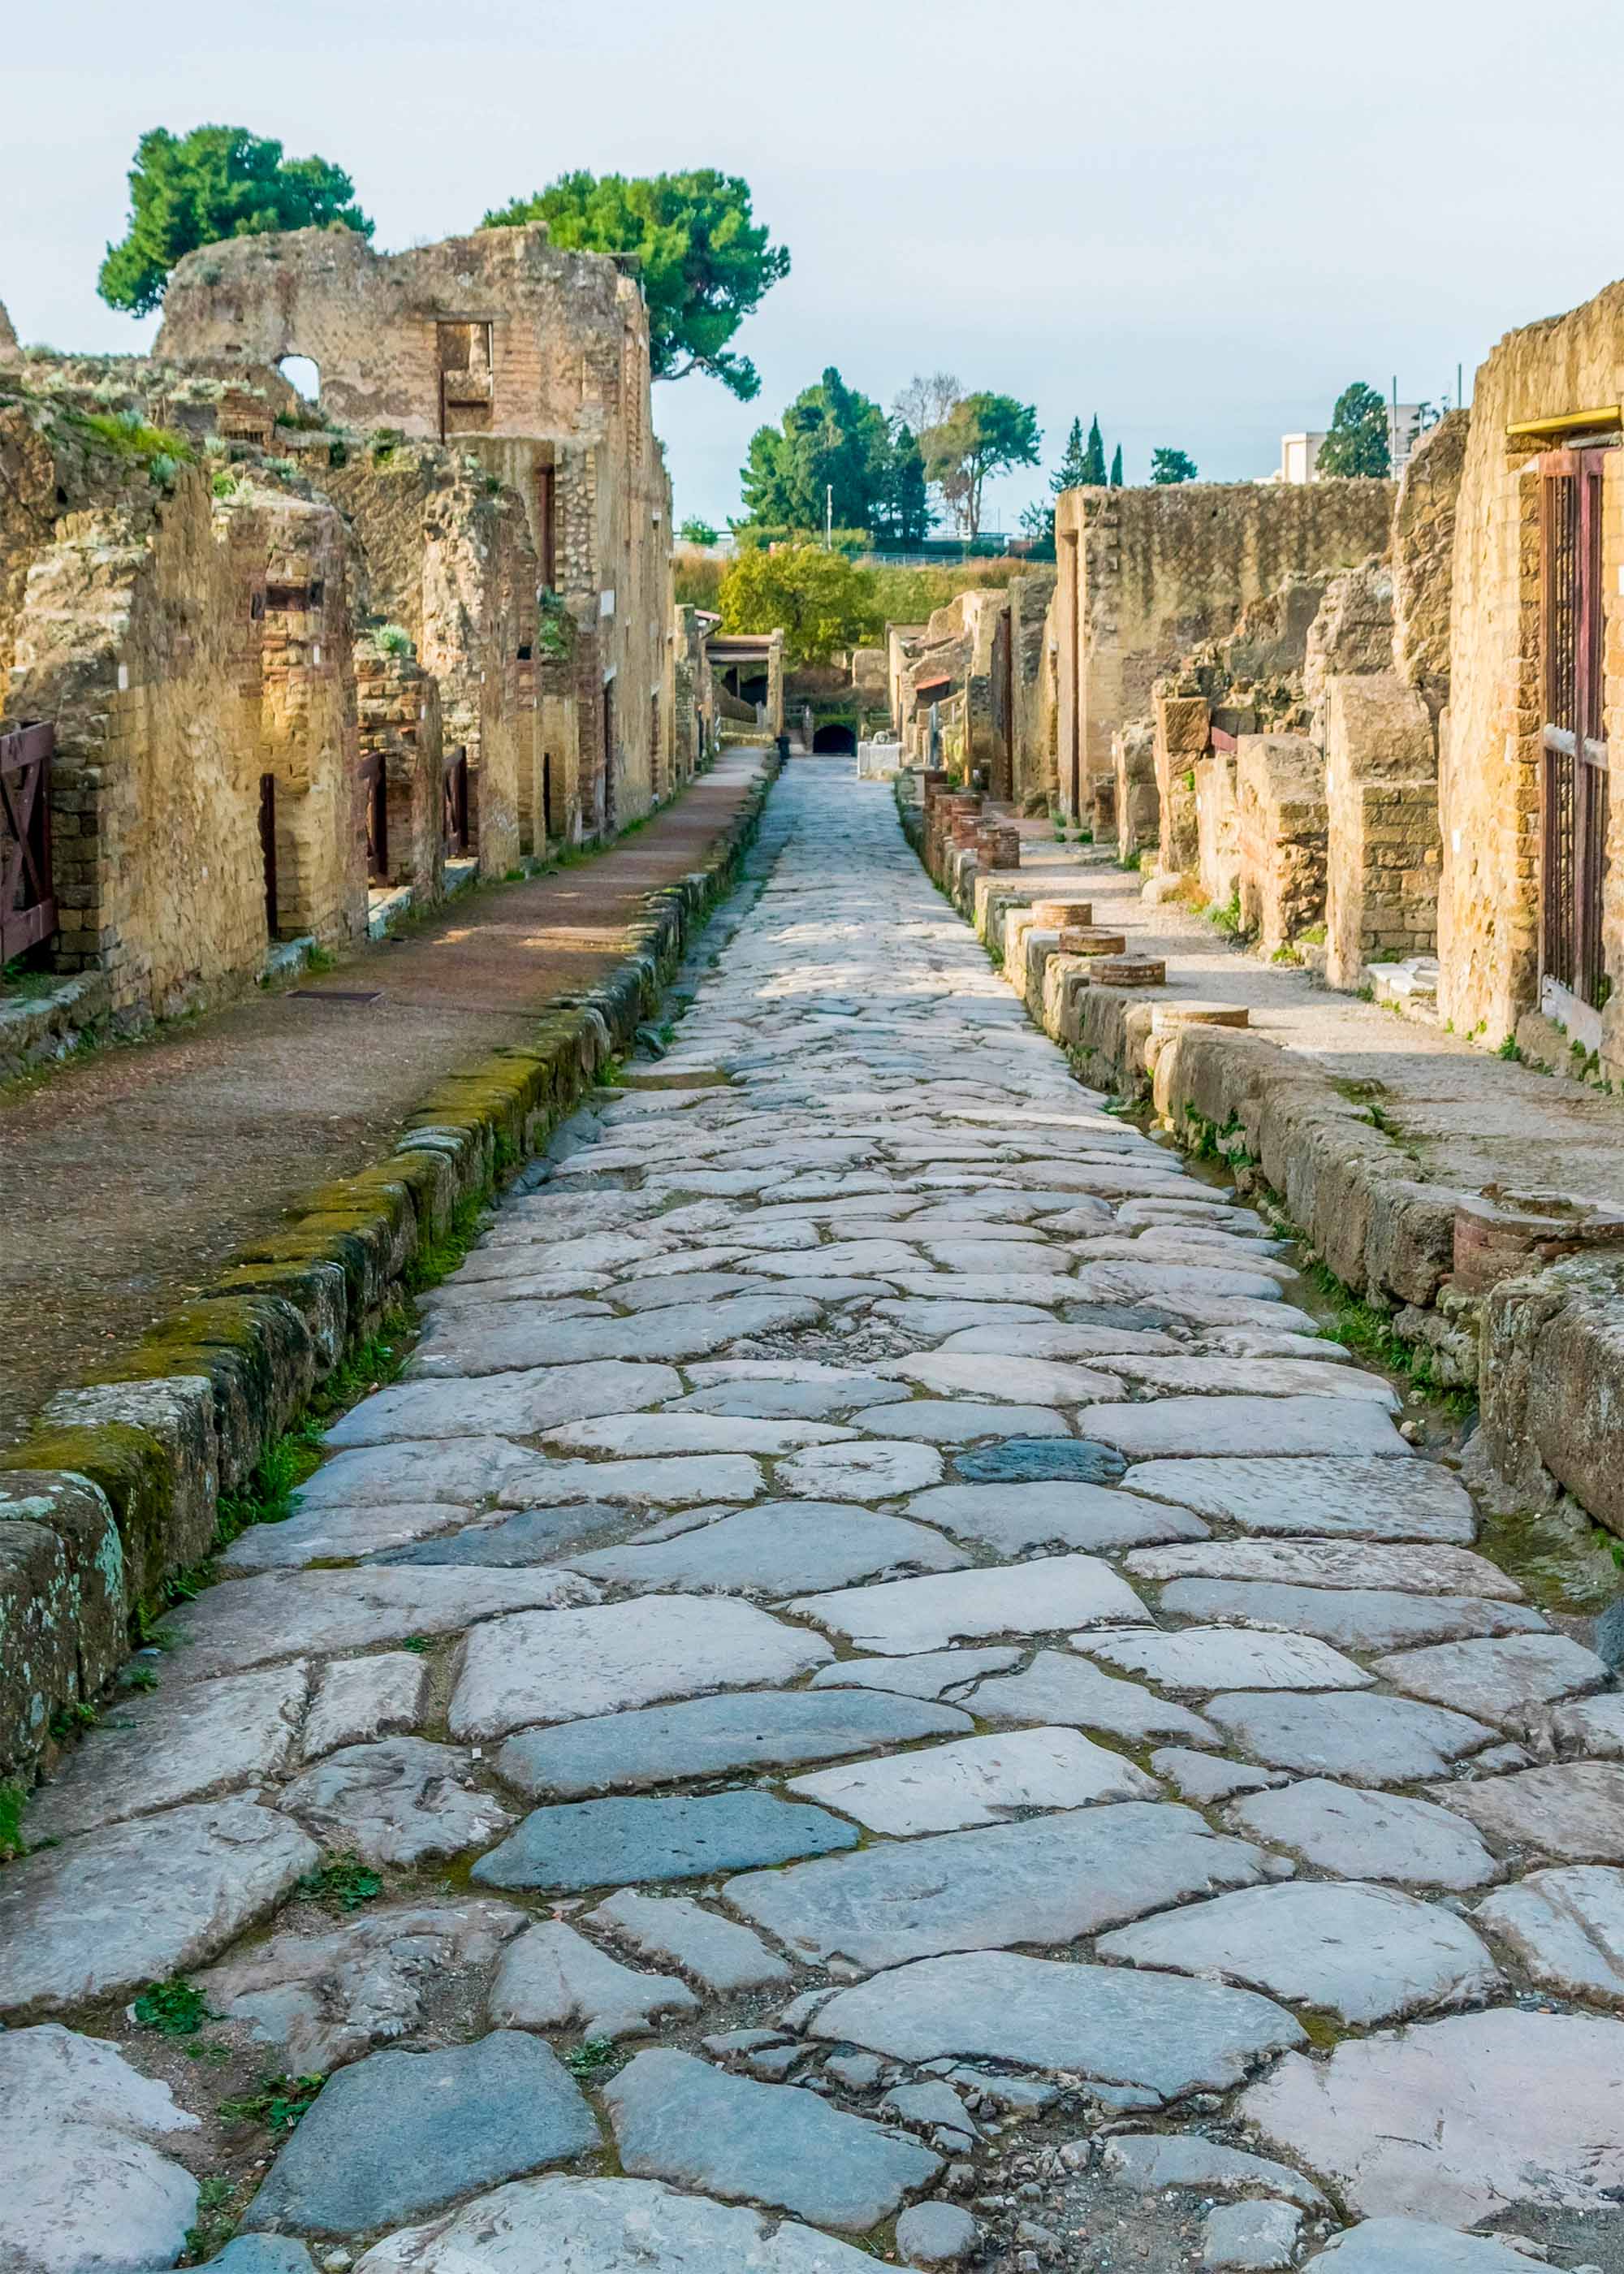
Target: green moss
<point>129,1465</point>
<point>13,1800</point>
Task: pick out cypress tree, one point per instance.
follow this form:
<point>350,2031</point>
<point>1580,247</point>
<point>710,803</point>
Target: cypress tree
<point>1094,457</point>
<point>1116,468</point>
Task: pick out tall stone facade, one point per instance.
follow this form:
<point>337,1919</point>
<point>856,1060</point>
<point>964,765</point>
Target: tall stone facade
<point>1147,573</point>
<point>534,360</point>
<point>1492,753</point>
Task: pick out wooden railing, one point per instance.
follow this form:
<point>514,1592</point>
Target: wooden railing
<point>27,900</point>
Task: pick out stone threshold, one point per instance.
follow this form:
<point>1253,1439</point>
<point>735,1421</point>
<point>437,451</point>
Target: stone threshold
<point>116,1487</point>
<point>1544,1347</point>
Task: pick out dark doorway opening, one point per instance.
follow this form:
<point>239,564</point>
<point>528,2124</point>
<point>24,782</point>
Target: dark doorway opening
<point>840,738</point>
<point>608,807</point>
<point>267,849</point>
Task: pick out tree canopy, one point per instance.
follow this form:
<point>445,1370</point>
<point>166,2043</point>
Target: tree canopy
<point>704,261</point>
<point>1073,467</point>
<point>1172,466</point>
<point>1357,440</point>
<point>190,190</point>
<point>833,438</point>
<point>696,531</point>
<point>982,434</point>
<point>1093,456</point>
<point>821,600</point>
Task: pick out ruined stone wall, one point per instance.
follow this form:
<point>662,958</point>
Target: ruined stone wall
<point>1490,769</point>
<point>136,638</point>
<point>1381,798</point>
<point>1147,573</point>
<point>1032,754</point>
<point>1423,558</point>
<point>1136,805</point>
<point>1281,827</point>
<point>398,708</point>
<point>449,559</point>
<point>554,376</point>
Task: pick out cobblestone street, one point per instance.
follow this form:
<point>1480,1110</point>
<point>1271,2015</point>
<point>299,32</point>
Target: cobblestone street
<point>877,1686</point>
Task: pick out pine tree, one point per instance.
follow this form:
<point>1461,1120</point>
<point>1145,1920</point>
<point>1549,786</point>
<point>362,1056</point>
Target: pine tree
<point>1073,467</point>
<point>1094,459</point>
<point>1116,468</point>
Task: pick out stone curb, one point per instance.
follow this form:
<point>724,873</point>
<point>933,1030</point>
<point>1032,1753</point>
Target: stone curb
<point>1549,1356</point>
<point>117,1486</point>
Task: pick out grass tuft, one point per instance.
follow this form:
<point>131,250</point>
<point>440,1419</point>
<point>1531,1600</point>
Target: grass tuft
<point>174,2008</point>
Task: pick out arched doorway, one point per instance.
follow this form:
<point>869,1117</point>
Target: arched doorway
<point>835,739</point>
<point>301,375</point>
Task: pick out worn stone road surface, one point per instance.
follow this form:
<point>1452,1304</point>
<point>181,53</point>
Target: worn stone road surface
<point>876,1687</point>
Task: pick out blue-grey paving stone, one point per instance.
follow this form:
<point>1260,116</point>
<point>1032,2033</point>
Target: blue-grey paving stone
<point>1033,1460</point>
<point>263,2254</point>
<point>600,1843</point>
<point>534,1536</point>
<point>1117,1314</point>
<point>676,2118</point>
<point>399,2133</point>
<point>707,1737</point>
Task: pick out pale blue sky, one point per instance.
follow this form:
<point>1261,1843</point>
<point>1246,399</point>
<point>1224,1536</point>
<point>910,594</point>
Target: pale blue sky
<point>1199,221</point>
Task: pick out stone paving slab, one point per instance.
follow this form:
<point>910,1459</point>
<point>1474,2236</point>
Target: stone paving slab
<point>1056,1687</point>
<point>400,2133</point>
<point>564,1666</point>
<point>1358,1618</point>
<point>1225,1657</point>
<point>502,1338</point>
<point>711,1737</point>
<point>1343,1427</point>
<point>1167,2034</point>
<point>157,1752</point>
<point>933,1674</point>
<point>1497,1680</point>
<point>676,2118</point>
<point>777,1549</point>
<point>69,1931</point>
<point>1567,1927</point>
<point>1012,1518</point>
<point>1372,1498</point>
<point>717,1953</point>
<point>551,1977</point>
<point>1572,1813</point>
<point>1369,1835</point>
<point>976,1780</point>
<point>1458,2120</point>
<point>1362,1736</point>
<point>602,1843</point>
<point>898,1617</point>
<point>1364,1953</point>
<point>400,1800</point>
<point>1336,1565</point>
<point>567,2225</point>
<point>1050,1880</point>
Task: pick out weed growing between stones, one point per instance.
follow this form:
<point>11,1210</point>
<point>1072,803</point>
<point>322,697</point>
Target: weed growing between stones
<point>1368,1332</point>
<point>208,2234</point>
<point>592,2056</point>
<point>174,2008</point>
<point>278,2102</point>
<point>68,1721</point>
<point>441,1256</point>
<point>13,1800</point>
<point>343,1882</point>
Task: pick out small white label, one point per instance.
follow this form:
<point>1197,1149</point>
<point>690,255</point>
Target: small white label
<point>315,655</point>
<point>1454,841</point>
<point>124,679</point>
<point>605,604</point>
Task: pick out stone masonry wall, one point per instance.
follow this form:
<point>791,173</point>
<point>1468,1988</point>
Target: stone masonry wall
<point>1489,774</point>
<point>1281,827</point>
<point>1147,573</point>
<point>1381,797</point>
<point>1423,558</point>
<point>398,703</point>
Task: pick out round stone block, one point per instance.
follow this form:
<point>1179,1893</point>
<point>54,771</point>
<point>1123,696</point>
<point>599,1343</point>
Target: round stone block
<point>1129,971</point>
<point>1166,1017</point>
<point>1061,915</point>
<point>1092,939</point>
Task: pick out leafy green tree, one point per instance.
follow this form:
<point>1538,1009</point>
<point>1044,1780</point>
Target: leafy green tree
<point>1117,467</point>
<point>833,439</point>
<point>1073,467</point>
<point>983,434</point>
<point>821,600</point>
<point>1357,440</point>
<point>1037,522</point>
<point>189,190</point>
<point>705,262</point>
<point>1093,456</point>
<point>695,532</point>
<point>1172,466</point>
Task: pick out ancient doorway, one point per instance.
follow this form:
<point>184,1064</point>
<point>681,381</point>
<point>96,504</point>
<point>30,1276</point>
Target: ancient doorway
<point>267,849</point>
<point>1573,741</point>
<point>608,756</point>
<point>466,387</point>
<point>835,737</point>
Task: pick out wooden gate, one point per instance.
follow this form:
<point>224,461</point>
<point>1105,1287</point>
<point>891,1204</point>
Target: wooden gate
<point>1573,747</point>
<point>27,897</point>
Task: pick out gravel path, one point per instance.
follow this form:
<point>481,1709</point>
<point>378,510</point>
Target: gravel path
<point>876,1687</point>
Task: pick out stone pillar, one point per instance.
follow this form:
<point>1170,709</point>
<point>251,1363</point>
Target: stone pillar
<point>1138,802</point>
<point>1383,850</point>
<point>1217,834</point>
<point>1280,820</point>
<point>1183,734</point>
